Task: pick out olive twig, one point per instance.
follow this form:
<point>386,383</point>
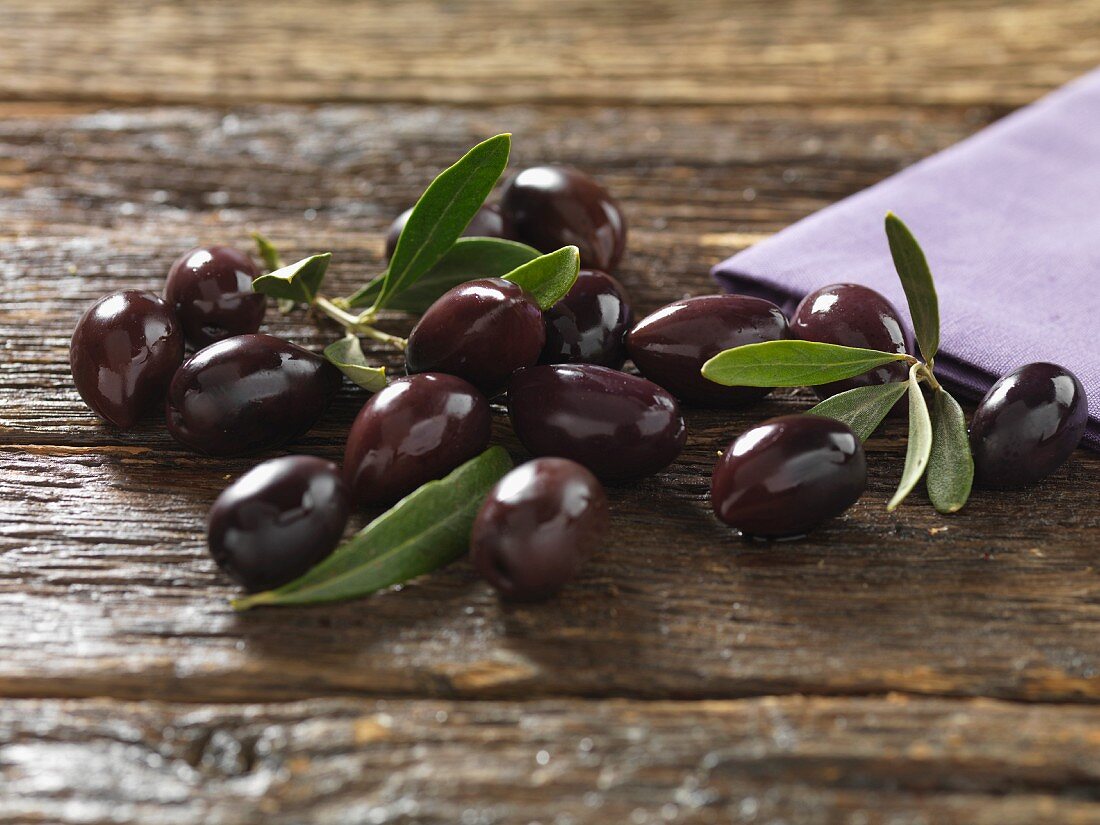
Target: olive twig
<point>355,324</point>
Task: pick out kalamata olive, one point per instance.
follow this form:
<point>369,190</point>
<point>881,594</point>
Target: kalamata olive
<point>671,345</point>
<point>417,429</point>
<point>124,351</point>
<point>589,325</point>
<point>1027,425</point>
<point>278,520</point>
<point>617,425</point>
<point>537,526</point>
<point>210,288</point>
<point>248,393</point>
<point>489,222</point>
<point>854,316</point>
<point>481,330</point>
<point>555,206</point>
<point>787,475</point>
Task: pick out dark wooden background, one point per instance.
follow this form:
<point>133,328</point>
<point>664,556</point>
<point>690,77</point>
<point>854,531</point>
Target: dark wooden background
<point>896,668</point>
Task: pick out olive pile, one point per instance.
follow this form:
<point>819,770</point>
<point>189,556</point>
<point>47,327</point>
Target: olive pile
<point>570,405</point>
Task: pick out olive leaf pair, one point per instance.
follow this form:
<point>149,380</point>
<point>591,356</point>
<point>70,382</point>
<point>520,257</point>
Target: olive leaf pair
<point>937,443</point>
<point>430,258</point>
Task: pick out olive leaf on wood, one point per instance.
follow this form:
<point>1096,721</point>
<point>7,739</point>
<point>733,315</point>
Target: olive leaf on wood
<point>791,363</point>
<point>950,466</point>
<point>272,260</point>
<point>424,531</point>
<point>916,280</point>
<point>920,440</point>
<point>442,213</point>
<point>299,281</point>
<point>347,355</point>
<point>862,408</point>
<point>468,259</point>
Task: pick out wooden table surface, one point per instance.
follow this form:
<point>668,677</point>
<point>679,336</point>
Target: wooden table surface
<point>895,668</point>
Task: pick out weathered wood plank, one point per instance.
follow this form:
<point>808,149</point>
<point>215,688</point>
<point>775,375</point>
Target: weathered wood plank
<point>641,51</point>
<point>813,761</point>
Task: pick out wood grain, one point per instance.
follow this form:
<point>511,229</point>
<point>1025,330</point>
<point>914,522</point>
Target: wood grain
<point>501,51</point>
<point>816,761</point>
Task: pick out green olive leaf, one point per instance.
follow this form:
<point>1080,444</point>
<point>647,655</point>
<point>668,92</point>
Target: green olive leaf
<point>792,364</point>
<point>424,531</point>
<point>442,213</point>
<point>920,441</point>
<point>549,277</point>
<point>347,356</point>
<point>916,280</point>
<point>299,281</point>
<point>950,466</point>
<point>862,408</point>
<point>468,259</point>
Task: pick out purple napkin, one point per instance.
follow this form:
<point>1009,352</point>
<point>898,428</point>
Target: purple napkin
<point>1009,220</point>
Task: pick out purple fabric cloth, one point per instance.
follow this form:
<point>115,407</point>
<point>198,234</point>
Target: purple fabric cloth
<point>1009,220</point>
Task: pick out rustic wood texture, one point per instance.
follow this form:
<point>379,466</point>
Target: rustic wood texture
<point>129,133</point>
<point>791,759</point>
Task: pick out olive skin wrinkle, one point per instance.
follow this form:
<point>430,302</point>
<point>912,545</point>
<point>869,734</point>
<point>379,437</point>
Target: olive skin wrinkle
<point>617,425</point>
<point>278,520</point>
<point>248,393</point>
<point>537,526</point>
<point>415,430</point>
<point>555,206</point>
<point>124,351</point>
<point>1027,425</point>
<point>481,331</point>
<point>210,288</point>
<point>670,346</point>
<point>589,325</point>
<point>852,315</point>
<point>489,222</point>
<point>785,476</point>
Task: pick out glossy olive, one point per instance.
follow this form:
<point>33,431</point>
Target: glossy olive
<point>417,429</point>
<point>248,393</point>
<point>1027,425</point>
<point>787,475</point>
<point>537,526</point>
<point>589,325</point>
<point>489,222</point>
<point>124,351</point>
<point>854,316</point>
<point>278,520</point>
<point>481,330</point>
<point>671,345</point>
<point>555,206</point>
<point>210,288</point>
<point>617,425</point>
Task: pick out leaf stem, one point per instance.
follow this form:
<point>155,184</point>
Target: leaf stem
<point>926,374</point>
<point>355,323</point>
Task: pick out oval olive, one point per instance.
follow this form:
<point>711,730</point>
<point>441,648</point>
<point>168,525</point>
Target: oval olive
<point>488,222</point>
<point>1027,425</point>
<point>617,425</point>
<point>125,349</point>
<point>787,475</point>
<point>671,345</point>
<point>415,430</point>
<point>210,288</point>
<point>555,206</point>
<point>278,520</point>
<point>589,325</point>
<point>537,526</point>
<point>852,315</point>
<point>248,393</point>
<point>481,330</point>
